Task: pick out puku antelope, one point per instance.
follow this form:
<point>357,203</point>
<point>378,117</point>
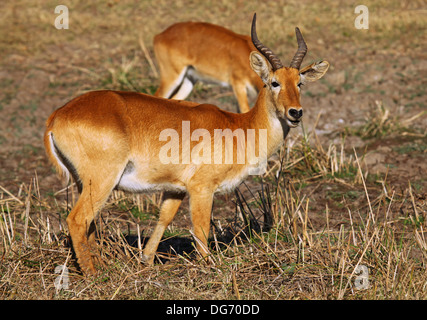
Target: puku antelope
<point>190,51</point>
<point>111,140</point>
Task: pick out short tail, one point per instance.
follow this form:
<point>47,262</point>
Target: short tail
<point>53,152</point>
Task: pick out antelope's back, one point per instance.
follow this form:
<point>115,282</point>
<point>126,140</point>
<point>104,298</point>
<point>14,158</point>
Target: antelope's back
<point>207,47</point>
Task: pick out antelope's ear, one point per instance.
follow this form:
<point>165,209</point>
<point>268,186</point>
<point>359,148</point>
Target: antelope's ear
<point>314,71</point>
<point>260,65</point>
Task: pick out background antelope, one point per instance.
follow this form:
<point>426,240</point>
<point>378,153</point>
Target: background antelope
<point>103,140</point>
<point>191,51</point>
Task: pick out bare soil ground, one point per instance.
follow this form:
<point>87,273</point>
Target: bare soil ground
<point>371,104</point>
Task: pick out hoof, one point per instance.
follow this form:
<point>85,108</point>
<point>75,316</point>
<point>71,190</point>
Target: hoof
<point>147,260</point>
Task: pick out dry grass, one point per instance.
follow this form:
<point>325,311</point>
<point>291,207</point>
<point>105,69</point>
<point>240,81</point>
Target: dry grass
<point>302,231</point>
<point>290,257</point>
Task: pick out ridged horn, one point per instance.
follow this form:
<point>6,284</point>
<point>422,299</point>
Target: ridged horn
<point>302,50</point>
<point>266,52</point>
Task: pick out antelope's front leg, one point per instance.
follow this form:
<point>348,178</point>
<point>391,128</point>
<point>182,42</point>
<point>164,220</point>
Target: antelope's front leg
<point>201,208</point>
<point>171,203</point>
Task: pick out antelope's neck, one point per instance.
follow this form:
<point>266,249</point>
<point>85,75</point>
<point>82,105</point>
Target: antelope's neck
<point>263,115</point>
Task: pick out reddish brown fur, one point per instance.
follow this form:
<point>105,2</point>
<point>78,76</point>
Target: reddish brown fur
<point>110,139</point>
<point>215,52</point>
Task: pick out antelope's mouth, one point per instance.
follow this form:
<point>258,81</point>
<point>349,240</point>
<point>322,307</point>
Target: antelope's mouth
<point>292,123</point>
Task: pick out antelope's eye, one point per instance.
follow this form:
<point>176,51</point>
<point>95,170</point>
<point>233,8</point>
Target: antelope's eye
<point>275,84</point>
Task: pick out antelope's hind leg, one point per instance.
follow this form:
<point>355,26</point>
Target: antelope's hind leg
<point>81,221</point>
<point>173,83</point>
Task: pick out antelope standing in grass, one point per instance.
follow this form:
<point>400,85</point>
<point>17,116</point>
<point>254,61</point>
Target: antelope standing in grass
<point>190,51</point>
<point>135,142</point>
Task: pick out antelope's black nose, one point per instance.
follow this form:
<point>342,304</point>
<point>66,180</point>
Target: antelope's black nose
<point>296,114</point>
